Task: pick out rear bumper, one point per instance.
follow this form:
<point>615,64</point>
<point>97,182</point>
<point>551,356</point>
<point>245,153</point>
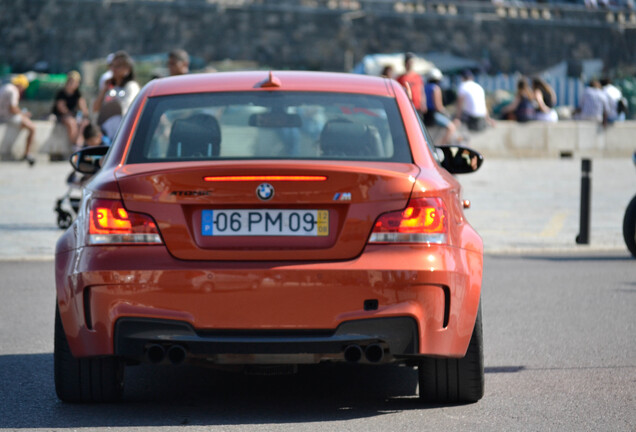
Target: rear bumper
<point>372,340</point>
<point>436,287</point>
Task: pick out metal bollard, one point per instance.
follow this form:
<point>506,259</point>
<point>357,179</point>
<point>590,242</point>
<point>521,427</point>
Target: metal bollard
<point>586,200</point>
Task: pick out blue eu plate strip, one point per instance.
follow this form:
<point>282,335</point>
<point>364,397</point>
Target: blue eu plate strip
<point>207,225</point>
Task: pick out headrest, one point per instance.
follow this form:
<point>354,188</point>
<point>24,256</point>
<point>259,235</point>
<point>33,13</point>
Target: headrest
<point>342,138</point>
<point>196,136</point>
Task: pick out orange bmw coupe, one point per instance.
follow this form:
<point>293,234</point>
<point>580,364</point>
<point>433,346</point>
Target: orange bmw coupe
<point>270,220</point>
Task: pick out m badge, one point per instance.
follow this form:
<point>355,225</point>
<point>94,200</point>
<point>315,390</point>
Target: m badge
<point>344,196</point>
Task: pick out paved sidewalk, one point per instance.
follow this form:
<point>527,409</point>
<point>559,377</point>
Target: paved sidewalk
<point>518,205</point>
<point>533,205</point>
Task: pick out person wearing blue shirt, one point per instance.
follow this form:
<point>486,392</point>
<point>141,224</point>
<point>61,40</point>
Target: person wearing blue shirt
<point>435,112</point>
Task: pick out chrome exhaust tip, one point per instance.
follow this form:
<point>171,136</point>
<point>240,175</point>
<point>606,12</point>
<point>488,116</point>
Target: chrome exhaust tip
<point>353,353</point>
<point>374,353</point>
<point>176,354</point>
<point>155,353</point>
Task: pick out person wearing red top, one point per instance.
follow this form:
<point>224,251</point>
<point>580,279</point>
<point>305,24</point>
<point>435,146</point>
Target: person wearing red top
<point>415,85</point>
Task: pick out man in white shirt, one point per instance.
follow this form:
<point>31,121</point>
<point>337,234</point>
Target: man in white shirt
<point>471,104</point>
<point>614,95</point>
<point>11,113</point>
<point>595,105</point>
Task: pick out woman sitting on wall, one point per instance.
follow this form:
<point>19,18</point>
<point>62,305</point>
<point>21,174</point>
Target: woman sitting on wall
<point>545,101</point>
<point>521,108</point>
<point>68,102</point>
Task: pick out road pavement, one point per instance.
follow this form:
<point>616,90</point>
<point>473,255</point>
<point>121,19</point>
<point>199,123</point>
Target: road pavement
<point>559,354</point>
<point>518,205</point>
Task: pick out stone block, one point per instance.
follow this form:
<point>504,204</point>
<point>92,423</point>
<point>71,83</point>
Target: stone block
<point>620,139</point>
<point>8,135</point>
<point>591,138</point>
<point>561,138</point>
<point>56,144</point>
<point>13,140</point>
<point>526,139</point>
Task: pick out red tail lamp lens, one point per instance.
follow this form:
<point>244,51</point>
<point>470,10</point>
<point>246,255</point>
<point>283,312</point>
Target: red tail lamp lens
<point>110,222</point>
<point>422,221</point>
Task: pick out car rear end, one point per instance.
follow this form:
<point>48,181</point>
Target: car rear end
<point>270,221</point>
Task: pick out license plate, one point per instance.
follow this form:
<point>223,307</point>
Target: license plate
<point>270,222</point>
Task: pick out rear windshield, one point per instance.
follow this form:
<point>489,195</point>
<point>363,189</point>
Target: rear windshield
<point>270,125</point>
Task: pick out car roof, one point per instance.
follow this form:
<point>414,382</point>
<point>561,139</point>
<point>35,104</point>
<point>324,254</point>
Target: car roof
<point>287,80</point>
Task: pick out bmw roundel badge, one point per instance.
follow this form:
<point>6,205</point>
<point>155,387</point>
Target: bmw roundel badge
<point>265,191</point>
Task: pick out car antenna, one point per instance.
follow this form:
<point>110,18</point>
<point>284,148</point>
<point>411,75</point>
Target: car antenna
<point>271,82</point>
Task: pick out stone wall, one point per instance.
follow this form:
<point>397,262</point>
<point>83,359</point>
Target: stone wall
<point>326,35</point>
<point>508,139</point>
<point>579,139</point>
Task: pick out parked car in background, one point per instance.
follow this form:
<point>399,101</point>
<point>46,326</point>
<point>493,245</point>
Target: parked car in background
<point>270,219</point>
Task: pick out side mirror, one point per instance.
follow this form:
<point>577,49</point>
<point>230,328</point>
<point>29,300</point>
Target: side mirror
<point>459,159</point>
<point>88,160</point>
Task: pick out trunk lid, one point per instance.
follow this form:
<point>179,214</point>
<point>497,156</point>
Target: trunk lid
<point>305,219</point>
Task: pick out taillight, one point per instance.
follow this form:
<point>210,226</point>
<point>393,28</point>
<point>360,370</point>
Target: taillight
<point>110,222</point>
<point>422,221</point>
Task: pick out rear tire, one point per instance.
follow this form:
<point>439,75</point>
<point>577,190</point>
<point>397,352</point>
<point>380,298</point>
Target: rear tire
<point>84,379</point>
<point>455,380</point>
<point>629,227</point>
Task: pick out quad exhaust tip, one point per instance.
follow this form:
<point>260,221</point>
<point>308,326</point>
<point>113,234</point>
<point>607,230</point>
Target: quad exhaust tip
<point>176,354</point>
<point>373,353</point>
<point>155,353</point>
<point>353,353</point>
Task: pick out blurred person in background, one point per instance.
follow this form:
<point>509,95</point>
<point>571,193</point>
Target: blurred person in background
<point>11,113</point>
<point>413,83</point>
<point>178,62</point>
<point>545,99</point>
<point>435,112</point>
<point>387,72</point>
<point>471,104</point>
<point>93,136</point>
<point>521,108</point>
<point>109,72</point>
<point>595,105</point>
<point>617,108</point>
<point>68,103</point>
<point>118,93</point>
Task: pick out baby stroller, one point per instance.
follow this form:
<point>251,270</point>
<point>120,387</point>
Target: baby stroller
<point>67,206</point>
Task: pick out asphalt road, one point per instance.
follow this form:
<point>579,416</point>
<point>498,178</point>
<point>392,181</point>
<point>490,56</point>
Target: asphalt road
<point>560,355</point>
